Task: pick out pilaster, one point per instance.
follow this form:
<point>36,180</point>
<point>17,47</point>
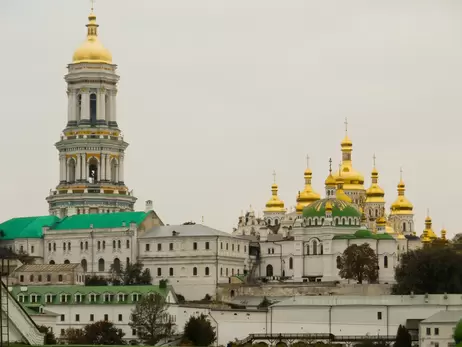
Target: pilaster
<point>85,107</point>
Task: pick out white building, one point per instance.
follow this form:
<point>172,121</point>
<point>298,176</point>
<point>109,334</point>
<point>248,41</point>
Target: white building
<point>438,329</point>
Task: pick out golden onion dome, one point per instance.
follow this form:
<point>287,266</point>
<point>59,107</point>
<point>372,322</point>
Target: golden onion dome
<point>381,221</point>
<point>340,193</point>
<point>428,231</point>
<point>401,205</point>
<point>330,180</point>
<point>375,194</point>
<point>92,50</point>
<point>308,195</point>
<point>401,237</point>
<point>353,180</point>
<point>275,204</point>
<point>328,206</point>
<point>443,234</point>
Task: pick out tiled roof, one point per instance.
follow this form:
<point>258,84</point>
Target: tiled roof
<point>100,220</point>
<point>86,293</point>
<point>47,267</point>
<point>183,230</point>
<point>26,227</point>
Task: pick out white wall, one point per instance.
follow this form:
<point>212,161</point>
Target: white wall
<point>443,338</point>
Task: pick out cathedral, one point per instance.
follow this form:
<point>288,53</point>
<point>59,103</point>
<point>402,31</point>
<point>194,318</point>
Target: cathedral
<point>305,244</point>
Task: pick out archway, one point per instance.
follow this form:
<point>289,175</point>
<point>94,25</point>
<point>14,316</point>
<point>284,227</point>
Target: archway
<point>52,262</point>
<point>71,170</point>
<point>269,270</point>
<point>93,170</point>
<point>67,261</point>
<point>83,262</point>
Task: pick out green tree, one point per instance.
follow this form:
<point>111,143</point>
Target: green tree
<point>50,338</point>
<point>359,262</point>
<point>75,336</point>
<point>132,274</point>
<point>103,333</point>
<point>151,320</point>
<point>199,331</point>
<point>96,281</point>
<point>403,337</point>
<point>432,270</point>
<point>25,258</point>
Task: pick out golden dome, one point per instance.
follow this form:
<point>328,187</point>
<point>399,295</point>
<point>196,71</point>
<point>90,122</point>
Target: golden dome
<point>401,205</point>
<point>328,206</point>
<point>375,193</point>
<point>92,51</point>
<point>340,193</point>
<point>428,231</point>
<point>401,237</point>
<point>443,234</point>
<point>275,204</point>
<point>353,180</point>
<point>330,180</point>
<point>381,221</point>
<point>308,195</point>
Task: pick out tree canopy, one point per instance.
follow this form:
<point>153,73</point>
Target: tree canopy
<point>131,274</point>
<point>151,320</point>
<point>50,338</point>
<point>403,337</point>
<point>98,333</point>
<point>359,262</point>
<point>199,331</point>
<point>432,270</point>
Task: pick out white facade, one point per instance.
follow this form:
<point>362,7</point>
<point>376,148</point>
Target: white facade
<point>438,329</point>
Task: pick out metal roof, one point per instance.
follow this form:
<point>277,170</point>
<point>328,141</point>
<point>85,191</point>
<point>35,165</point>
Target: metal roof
<point>183,231</point>
<point>444,317</point>
<point>47,267</point>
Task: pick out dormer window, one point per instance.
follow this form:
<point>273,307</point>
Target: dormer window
<point>21,298</point>
<point>92,298</point>
<point>64,298</point>
<point>135,297</point>
<point>34,298</point>
<point>49,298</point>
<point>122,297</point>
<point>108,297</point>
<point>78,298</point>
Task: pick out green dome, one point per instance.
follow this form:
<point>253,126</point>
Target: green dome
<point>364,234</point>
<point>343,213</point>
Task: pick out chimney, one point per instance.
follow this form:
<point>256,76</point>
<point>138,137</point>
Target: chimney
<point>148,206</point>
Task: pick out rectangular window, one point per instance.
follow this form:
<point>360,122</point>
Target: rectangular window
<point>170,246</point>
<point>77,318</point>
<point>159,271</point>
<point>32,249</point>
<point>54,247</point>
<point>21,278</point>
<point>429,331</point>
<point>106,317</point>
<point>49,247</point>
<point>62,318</point>
<point>21,249</point>
<point>148,247</point>
<point>63,332</point>
<point>159,247</point>
<point>195,246</point>
<point>437,331</point>
<point>128,243</point>
<point>134,332</point>
<point>379,315</point>
<point>120,318</point>
<point>238,248</point>
<point>170,271</point>
<point>207,245</point>
<point>92,317</point>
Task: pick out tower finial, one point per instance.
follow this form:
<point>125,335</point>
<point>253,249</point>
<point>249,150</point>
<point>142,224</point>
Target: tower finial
<point>330,165</point>
<point>274,176</point>
<point>401,173</point>
<point>346,126</point>
<point>307,161</point>
<point>373,159</point>
<point>428,212</point>
<point>92,2</point>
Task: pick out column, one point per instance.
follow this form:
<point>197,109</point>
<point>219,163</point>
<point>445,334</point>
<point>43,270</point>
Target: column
<point>108,168</point>
<point>102,176</point>
<point>101,111</point>
<point>85,112</point>
<point>71,108</point>
<point>78,169</point>
<point>67,171</point>
<point>121,168</point>
<point>84,167</point>
<point>62,168</point>
<point>113,115</point>
<point>116,173</point>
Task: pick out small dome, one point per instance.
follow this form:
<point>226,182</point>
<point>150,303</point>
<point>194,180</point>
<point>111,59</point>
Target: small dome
<point>339,209</point>
<point>375,194</point>
<point>275,204</point>
<point>330,181</point>
<point>401,205</point>
<point>308,195</point>
<point>92,50</point>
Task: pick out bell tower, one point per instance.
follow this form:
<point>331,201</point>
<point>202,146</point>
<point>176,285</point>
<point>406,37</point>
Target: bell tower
<point>91,148</point>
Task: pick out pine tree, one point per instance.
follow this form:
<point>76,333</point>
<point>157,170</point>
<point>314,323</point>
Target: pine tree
<point>403,337</point>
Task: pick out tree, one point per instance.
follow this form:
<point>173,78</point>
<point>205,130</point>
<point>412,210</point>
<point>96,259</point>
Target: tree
<point>181,299</point>
<point>359,262</point>
<point>403,338</point>
<point>103,333</point>
<point>25,258</point>
<point>199,331</point>
<point>151,320</point>
<point>50,338</point>
<point>432,270</point>
<point>75,336</point>
<point>95,281</point>
<point>132,274</point>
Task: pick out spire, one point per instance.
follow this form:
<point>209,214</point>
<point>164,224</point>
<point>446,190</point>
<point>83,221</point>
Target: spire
<point>330,182</point>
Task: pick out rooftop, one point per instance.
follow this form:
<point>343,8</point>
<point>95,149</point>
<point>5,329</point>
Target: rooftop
<point>444,317</point>
<point>47,267</point>
<point>183,230</point>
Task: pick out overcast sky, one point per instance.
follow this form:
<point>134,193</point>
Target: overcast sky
<point>215,95</point>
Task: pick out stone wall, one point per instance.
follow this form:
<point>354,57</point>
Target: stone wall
<point>227,291</point>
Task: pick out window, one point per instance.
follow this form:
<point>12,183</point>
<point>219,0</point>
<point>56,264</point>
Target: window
<point>32,249</point>
<point>321,251</point>
<point>99,245</point>
<point>147,247</point>
<point>60,278</point>
<point>92,297</point>
<point>159,247</point>
<point>429,331</point>
<point>221,271</point>
<point>64,246</point>
<point>54,247</point>
<point>21,249</point>
<point>170,246</point>
<point>379,315</point>
<point>101,265</point>
<point>437,331</point>
<point>232,247</point>
<point>114,244</point>
<point>195,271</point>
<point>104,244</point>
<point>207,271</point>
<point>128,243</point>
<point>106,317</point>
<point>21,278</point>
<point>119,244</point>
<point>40,278</point>
<point>64,297</point>
<point>48,278</point>
<point>68,246</point>
<point>134,332</point>
<point>227,246</point>
<point>86,245</point>
<point>315,247</point>
<point>107,297</point>
<point>77,318</point>
<point>122,297</point>
<point>307,249</point>
<point>207,245</point>
<point>195,246</point>
<point>135,297</point>
<point>170,271</point>
<point>62,318</point>
<point>120,318</point>
<point>49,247</point>
<point>238,248</point>
<point>221,245</point>
<point>159,271</point>
<point>291,263</point>
<point>33,298</point>
<point>78,298</point>
<point>48,298</point>
<point>81,246</point>
<point>92,317</point>
<point>245,249</point>
<point>385,262</point>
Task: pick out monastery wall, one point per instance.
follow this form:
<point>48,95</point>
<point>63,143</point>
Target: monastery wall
<point>227,291</point>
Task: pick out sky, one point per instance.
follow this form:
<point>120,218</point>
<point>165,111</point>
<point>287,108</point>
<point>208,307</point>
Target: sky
<point>215,95</point>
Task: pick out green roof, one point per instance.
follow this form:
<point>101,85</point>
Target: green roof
<point>88,294</point>
<point>26,227</point>
<point>100,220</point>
<point>339,209</point>
<point>364,234</point>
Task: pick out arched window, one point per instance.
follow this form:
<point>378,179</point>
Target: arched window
<point>404,226</point>
<point>114,177</point>
<point>67,261</point>
<point>93,109</point>
<point>291,263</point>
<point>207,271</point>
<point>86,245</point>
<point>315,247</point>
<point>276,221</point>
<point>79,106</point>
<point>52,262</point>
<point>71,172</point>
<point>195,271</point>
<point>269,270</point>
<point>101,265</point>
<point>343,220</point>
<point>31,278</point>
<point>93,170</point>
<point>370,213</point>
<point>116,265</point>
<point>83,262</point>
<point>385,262</point>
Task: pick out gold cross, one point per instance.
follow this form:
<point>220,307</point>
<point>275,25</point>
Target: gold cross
<point>401,173</point>
<point>373,158</point>
<point>307,161</point>
<point>330,165</point>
